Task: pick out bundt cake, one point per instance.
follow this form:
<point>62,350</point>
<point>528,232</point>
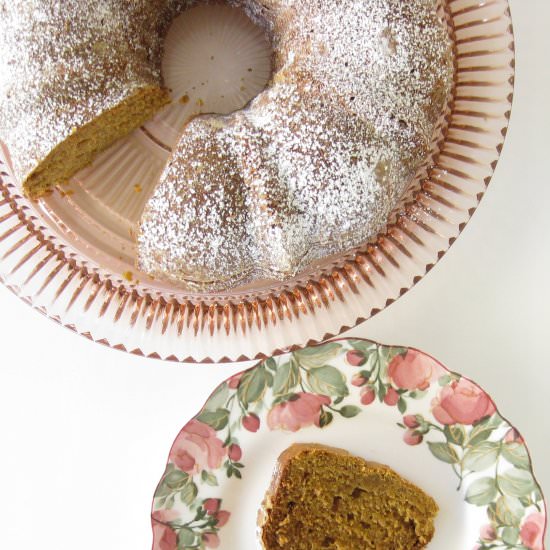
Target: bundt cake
<point>318,160</point>
<point>311,167</point>
<point>322,497</point>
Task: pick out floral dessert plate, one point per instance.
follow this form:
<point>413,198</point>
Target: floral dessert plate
<point>393,405</point>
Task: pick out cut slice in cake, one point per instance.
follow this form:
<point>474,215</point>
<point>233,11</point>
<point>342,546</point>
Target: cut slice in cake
<point>76,77</point>
<point>322,497</point>
<point>83,144</point>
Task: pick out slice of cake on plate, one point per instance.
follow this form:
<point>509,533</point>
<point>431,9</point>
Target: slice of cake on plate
<point>322,497</point>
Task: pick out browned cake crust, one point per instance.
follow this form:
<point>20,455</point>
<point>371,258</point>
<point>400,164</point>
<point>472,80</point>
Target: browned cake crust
<point>322,497</point>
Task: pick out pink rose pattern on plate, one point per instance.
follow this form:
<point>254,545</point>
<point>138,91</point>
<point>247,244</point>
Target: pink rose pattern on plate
<point>197,448</point>
<point>532,531</point>
<point>462,402</point>
<point>300,411</point>
<point>318,386</point>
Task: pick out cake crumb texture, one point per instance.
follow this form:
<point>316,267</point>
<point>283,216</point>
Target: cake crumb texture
<point>326,498</point>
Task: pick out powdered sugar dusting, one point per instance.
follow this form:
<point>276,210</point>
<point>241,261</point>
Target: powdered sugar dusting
<point>319,159</point>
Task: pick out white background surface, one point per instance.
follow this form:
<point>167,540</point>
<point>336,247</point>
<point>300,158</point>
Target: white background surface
<point>85,430</point>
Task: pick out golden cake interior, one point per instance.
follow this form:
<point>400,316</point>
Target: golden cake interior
<point>83,145</point>
<point>326,498</point>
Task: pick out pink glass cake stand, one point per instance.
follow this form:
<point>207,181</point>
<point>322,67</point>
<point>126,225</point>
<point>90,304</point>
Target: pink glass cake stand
<point>70,255</point>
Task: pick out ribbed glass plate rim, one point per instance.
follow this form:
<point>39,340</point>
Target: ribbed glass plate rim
<point>48,274</point>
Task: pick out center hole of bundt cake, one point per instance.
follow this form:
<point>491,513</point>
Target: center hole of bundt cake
<point>216,60</point>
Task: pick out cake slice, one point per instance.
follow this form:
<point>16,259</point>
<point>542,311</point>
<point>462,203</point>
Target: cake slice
<point>322,497</point>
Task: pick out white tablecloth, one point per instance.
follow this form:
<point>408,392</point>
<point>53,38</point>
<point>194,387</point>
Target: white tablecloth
<point>85,430</point>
